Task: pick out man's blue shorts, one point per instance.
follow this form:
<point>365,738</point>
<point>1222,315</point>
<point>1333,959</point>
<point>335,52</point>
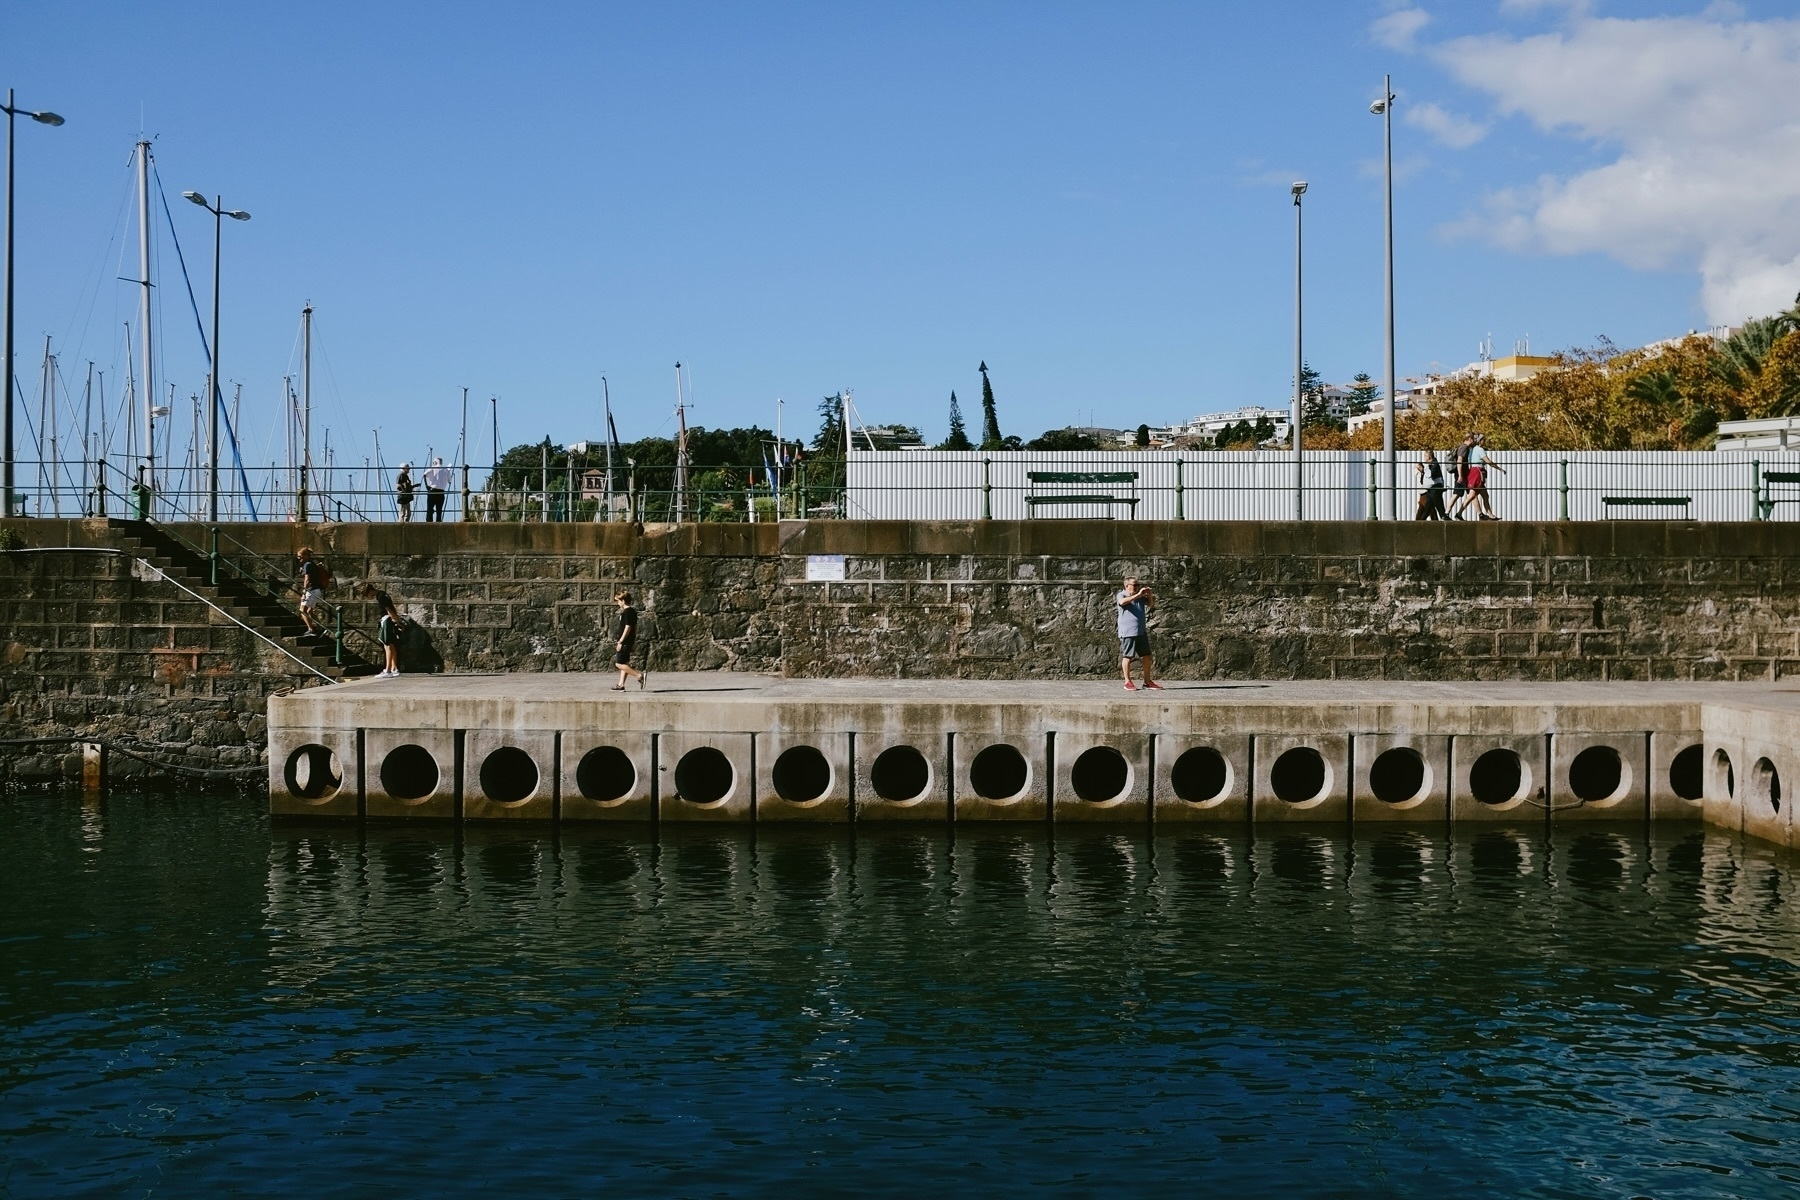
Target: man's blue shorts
<point>1135,647</point>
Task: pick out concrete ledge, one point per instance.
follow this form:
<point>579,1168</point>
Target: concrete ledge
<point>708,748</point>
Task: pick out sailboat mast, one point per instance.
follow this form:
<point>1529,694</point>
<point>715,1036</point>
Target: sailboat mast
<point>462,445</point>
<point>305,406</point>
<point>606,394</point>
<point>681,449</point>
<point>147,475</point>
<point>87,435</point>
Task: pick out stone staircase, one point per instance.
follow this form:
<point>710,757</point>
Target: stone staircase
<point>256,603</point>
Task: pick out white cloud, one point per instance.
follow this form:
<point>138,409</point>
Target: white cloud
<point>1452,129</point>
<point>1699,114</point>
<point>1528,7</point>
<point>1398,29</point>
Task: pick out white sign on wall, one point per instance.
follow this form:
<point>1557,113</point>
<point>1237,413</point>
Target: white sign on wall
<point>824,568</point>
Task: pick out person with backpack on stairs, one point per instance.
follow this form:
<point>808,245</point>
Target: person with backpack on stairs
<point>315,577</point>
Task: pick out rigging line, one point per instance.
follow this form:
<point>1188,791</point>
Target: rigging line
<point>95,274</point>
<point>212,372</point>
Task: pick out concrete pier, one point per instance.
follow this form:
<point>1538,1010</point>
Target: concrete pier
<point>739,747</point>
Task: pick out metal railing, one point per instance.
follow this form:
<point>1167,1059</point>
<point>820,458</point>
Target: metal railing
<point>1338,485</point>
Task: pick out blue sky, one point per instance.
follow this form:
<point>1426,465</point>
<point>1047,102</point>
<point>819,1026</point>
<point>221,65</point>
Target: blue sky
<point>793,199</point>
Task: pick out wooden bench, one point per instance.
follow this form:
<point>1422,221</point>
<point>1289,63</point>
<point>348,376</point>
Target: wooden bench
<point>1128,478</point>
<point>1612,502</point>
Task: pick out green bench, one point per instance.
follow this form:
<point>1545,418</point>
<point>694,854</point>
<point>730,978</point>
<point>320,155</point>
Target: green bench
<point>1769,499</point>
<point>1612,502</point>
<point>1081,478</point>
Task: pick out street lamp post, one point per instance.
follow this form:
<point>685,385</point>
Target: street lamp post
<point>1384,108</point>
<point>6,354</point>
<point>216,399</point>
<point>1298,190</point>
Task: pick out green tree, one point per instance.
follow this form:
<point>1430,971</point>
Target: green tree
<point>990,415</point>
<point>1364,395</point>
<point>830,438</point>
<point>959,436</point>
<point>1315,410</point>
<point>1062,439</point>
<point>1143,437</point>
<point>1239,434</point>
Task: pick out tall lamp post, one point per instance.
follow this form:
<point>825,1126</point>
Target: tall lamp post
<point>1384,108</point>
<point>1298,190</point>
<point>216,400</point>
<point>6,354</point>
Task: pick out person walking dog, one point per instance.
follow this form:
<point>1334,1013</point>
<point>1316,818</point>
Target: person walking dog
<point>1135,603</point>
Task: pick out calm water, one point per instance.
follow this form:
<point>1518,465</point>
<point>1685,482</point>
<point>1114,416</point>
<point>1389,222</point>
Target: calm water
<point>191,999</point>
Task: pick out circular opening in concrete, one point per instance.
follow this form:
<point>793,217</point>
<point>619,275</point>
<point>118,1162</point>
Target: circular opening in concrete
<point>1100,774</point>
<point>1722,767</point>
<point>1298,775</point>
<point>900,774</point>
<point>1498,777</point>
<point>508,775</point>
<point>1598,774</point>
<point>1398,776</point>
<point>605,774</point>
<point>1685,772</point>
<point>313,772</point>
<point>998,772</point>
<point>1200,775</point>
<point>703,776</point>
<point>409,773</point>
<point>1768,783</point>
<point>801,774</point>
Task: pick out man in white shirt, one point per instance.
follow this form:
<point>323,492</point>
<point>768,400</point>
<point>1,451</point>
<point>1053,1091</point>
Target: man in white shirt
<point>437,484</point>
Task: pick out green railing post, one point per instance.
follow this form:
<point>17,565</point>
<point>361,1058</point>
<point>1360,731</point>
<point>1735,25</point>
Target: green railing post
<point>1756,490</point>
<point>100,466</point>
<point>1562,490</point>
<point>337,639</point>
<point>987,489</point>
<point>1370,515</point>
<point>1180,508</point>
<point>212,556</point>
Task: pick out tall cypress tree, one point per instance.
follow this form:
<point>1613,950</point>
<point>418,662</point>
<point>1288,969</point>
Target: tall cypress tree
<point>959,436</point>
<point>990,415</point>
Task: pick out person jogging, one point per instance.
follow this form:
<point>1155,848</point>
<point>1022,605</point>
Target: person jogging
<point>1135,603</point>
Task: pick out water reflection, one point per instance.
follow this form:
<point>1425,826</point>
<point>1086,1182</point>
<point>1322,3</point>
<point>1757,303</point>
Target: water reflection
<point>710,1010</point>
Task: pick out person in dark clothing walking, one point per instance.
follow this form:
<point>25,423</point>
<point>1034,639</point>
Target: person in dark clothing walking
<point>1431,495</point>
<point>403,491</point>
<point>389,632</point>
<point>626,641</point>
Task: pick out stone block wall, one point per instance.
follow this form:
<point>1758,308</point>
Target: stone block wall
<point>1362,600</point>
<point>84,645</point>
<point>88,645</point>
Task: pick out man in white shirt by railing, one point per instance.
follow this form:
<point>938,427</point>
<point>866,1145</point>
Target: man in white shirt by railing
<point>437,485</point>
